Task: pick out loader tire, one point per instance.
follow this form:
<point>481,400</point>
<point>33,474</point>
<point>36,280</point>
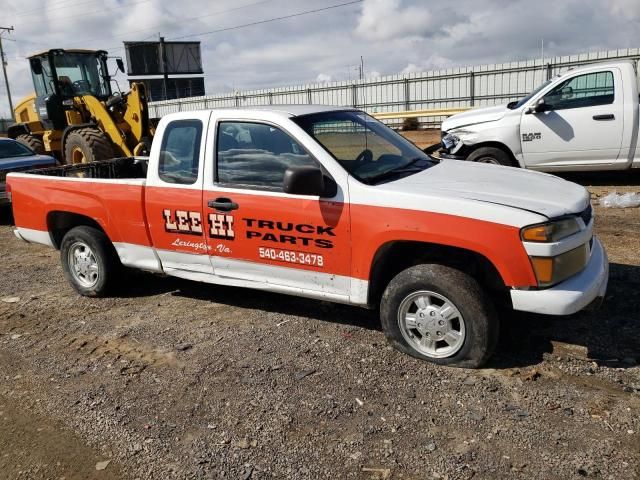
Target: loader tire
<point>34,143</point>
<point>86,145</point>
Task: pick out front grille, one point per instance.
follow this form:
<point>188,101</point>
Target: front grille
<point>586,215</point>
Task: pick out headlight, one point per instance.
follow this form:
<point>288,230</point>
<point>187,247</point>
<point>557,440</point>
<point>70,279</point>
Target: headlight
<point>450,140</point>
<point>455,140</point>
<point>552,270</point>
<point>552,231</point>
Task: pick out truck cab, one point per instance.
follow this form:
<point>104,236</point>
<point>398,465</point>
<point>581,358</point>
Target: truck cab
<point>585,119</point>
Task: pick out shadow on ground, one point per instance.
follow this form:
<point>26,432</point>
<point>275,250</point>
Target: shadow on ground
<point>619,178</point>
<point>6,215</point>
<point>609,335</point>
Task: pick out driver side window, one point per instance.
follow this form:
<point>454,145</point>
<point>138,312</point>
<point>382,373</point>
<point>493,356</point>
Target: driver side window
<point>587,90</point>
<point>256,155</point>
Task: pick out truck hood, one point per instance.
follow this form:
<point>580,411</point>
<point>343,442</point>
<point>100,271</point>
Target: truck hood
<point>536,192</point>
<point>472,117</point>
<point>21,163</point>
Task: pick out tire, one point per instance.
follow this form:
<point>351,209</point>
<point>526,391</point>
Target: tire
<point>465,336</point>
<point>86,145</point>
<point>89,261</point>
<point>34,143</point>
<point>491,155</point>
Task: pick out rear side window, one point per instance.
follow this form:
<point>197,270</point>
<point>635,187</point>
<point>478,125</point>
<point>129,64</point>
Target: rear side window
<point>180,152</point>
<point>587,90</point>
<point>256,155</point>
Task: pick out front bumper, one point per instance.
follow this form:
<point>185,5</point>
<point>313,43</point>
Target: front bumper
<point>450,156</point>
<point>573,294</point>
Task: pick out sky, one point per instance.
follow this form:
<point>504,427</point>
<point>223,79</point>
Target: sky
<point>392,36</point>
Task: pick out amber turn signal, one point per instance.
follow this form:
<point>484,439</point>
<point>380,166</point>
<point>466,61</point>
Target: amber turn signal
<point>543,267</point>
<point>538,233</point>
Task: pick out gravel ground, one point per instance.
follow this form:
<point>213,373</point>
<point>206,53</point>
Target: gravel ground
<point>175,379</point>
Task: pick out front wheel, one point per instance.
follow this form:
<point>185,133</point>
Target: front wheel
<point>89,261</point>
<point>492,155</point>
<point>439,314</point>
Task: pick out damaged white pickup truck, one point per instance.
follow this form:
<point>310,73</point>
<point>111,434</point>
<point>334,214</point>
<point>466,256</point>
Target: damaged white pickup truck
<point>585,119</point>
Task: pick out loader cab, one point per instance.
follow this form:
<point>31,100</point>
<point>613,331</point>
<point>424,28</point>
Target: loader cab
<point>60,75</point>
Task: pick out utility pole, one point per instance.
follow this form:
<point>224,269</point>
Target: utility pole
<point>4,67</point>
<point>361,68</point>
<point>165,81</point>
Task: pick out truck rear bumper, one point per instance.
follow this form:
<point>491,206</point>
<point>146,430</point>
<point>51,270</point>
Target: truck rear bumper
<point>573,294</point>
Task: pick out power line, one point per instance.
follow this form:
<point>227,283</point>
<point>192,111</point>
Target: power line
<point>259,22</point>
<point>220,12</point>
<point>35,10</point>
<point>91,12</point>
<point>275,19</point>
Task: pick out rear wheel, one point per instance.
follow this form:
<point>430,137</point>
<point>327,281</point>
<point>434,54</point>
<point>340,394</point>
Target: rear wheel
<point>34,143</point>
<point>89,261</point>
<point>492,155</point>
<point>86,145</point>
<point>439,314</point>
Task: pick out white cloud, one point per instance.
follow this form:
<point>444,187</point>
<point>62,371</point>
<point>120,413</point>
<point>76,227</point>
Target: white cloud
<point>386,19</point>
<point>625,8</point>
<point>323,78</point>
<point>434,62</point>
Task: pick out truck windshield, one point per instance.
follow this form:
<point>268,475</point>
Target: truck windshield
<point>365,147</point>
<point>81,74</point>
<point>523,100</point>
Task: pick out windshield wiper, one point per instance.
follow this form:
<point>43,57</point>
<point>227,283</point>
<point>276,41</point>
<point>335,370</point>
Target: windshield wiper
<point>409,167</point>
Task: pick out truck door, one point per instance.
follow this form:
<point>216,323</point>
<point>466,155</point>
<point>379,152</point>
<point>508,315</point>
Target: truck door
<point>173,196</point>
<point>583,126</point>
<point>260,236</point>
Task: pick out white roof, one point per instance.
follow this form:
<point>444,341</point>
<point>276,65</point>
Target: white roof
<point>285,110</point>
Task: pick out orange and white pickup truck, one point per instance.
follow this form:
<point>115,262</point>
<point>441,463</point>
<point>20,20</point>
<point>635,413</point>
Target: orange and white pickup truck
<point>326,203</point>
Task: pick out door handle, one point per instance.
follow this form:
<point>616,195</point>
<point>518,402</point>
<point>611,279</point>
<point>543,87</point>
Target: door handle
<point>606,116</point>
<point>223,204</point>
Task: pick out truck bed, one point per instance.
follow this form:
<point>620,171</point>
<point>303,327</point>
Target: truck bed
<point>115,168</point>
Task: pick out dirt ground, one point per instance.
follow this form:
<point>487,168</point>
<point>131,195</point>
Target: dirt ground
<point>175,379</point>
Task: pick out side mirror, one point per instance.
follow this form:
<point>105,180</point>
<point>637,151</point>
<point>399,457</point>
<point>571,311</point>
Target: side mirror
<point>303,181</point>
<point>540,106</point>
<point>36,66</point>
<point>566,93</point>
<point>120,64</point>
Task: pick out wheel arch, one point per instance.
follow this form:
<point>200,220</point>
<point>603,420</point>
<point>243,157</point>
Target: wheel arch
<point>469,149</point>
<point>18,129</point>
<point>393,257</point>
<point>60,222</point>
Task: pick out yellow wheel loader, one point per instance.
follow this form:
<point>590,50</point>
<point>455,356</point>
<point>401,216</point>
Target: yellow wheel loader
<point>75,116</point>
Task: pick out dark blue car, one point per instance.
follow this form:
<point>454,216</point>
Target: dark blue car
<point>15,157</point>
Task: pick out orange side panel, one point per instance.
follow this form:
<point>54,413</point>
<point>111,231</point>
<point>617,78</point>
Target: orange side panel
<point>375,226</point>
<point>355,232</point>
<point>118,208</point>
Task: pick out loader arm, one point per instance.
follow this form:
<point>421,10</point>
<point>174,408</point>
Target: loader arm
<point>105,122</point>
